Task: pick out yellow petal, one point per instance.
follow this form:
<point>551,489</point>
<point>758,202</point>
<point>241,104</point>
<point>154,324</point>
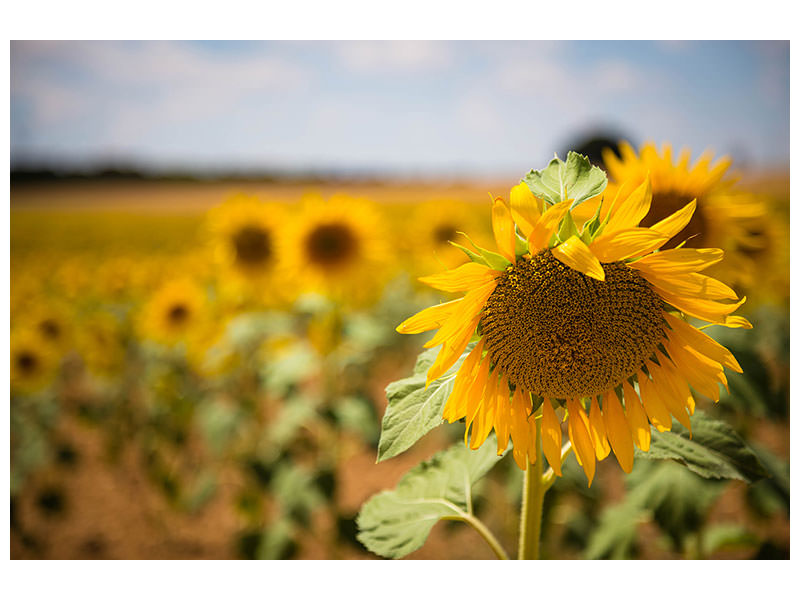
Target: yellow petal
<point>637,419</point>
<point>619,434</point>
<point>673,224</point>
<point>519,429</point>
<point>576,255</point>
<point>734,321</point>
<point>503,227</point>
<point>456,406</point>
<point>633,209</point>
<point>451,351</point>
<point>524,208</point>
<point>670,391</point>
<point>693,285</point>
<point>597,429</point>
<point>551,437</point>
<point>484,419</point>
<point>429,318</point>
<point>701,342</point>
<point>702,373</point>
<point>475,393</point>
<point>546,226</point>
<point>466,277</point>
<point>502,418</point>
<point>680,260</point>
<point>653,405</point>
<point>627,243</point>
<point>465,312</point>
<point>708,310</point>
<point>581,439</point>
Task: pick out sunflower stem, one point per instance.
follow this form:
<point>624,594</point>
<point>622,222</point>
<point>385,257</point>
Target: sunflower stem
<point>533,491</point>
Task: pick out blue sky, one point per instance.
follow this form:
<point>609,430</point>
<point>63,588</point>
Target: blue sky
<point>413,108</point>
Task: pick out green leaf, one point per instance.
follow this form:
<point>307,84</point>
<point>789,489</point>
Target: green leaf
<point>413,409</point>
<point>396,522</point>
<point>715,450</point>
<point>576,179</point>
<point>728,536</point>
<point>614,537</point>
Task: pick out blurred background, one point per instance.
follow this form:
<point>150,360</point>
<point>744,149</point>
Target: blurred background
<point>212,243</point>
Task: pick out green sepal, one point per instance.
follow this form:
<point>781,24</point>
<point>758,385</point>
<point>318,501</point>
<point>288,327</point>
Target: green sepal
<point>568,228</point>
<point>474,257</point>
<point>520,244</point>
<point>576,178</point>
<point>492,259</point>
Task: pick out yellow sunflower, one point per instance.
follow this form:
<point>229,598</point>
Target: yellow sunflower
<point>723,216</point>
<point>436,223</point>
<point>101,344</point>
<point>33,362</point>
<point>175,311</point>
<point>244,234</point>
<point>336,247</point>
<point>579,319</point>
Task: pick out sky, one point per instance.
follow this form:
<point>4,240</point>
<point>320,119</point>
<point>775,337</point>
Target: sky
<point>396,108</point>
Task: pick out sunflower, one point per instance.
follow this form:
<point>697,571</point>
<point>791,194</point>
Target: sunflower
<point>579,320</point>
<point>244,235</point>
<point>336,247</point>
<point>173,313</point>
<point>436,223</point>
<point>723,217</point>
<point>33,362</point>
<point>101,343</point>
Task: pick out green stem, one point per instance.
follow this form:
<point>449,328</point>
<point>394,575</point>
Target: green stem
<point>533,490</point>
<point>482,530</point>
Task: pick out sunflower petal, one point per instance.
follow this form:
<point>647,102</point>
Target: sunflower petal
<point>520,431</point>
<point>551,437</point>
<point>451,350</point>
<point>701,342</point>
<point>708,310</point>
<point>466,277</point>
<point>577,427</point>
<point>456,406</point>
<point>702,373</point>
<point>464,314</point>
<point>576,255</point>
<point>502,421</point>
<point>484,419</point>
<point>597,429</point>
<point>671,392</point>
<point>637,419</point>
<point>547,225</point>
<point>503,228</point>
<point>619,434</point>
<point>524,208</point>
<point>693,285</point>
<point>626,243</point>
<point>673,224</point>
<point>429,318</point>
<point>633,209</point>
<point>653,405</point>
<point>680,260</point>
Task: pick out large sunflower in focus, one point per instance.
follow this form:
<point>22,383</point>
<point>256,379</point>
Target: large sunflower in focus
<point>336,247</point>
<point>590,321</point>
<point>724,217</point>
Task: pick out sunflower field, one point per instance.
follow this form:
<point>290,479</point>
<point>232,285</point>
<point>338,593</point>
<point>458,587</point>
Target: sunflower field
<point>214,370</point>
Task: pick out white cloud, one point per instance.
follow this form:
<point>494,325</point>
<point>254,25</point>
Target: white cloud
<point>389,56</point>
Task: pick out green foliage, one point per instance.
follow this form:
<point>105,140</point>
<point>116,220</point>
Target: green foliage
<point>574,179</point>
<point>713,450</point>
<point>413,409</point>
<point>394,523</point>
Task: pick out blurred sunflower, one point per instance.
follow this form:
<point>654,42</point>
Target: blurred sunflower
<point>244,235</point>
<point>173,313</point>
<point>33,362</point>
<point>336,247</point>
<point>579,319</point>
<point>100,342</point>
<point>723,215</point>
<point>50,320</point>
<point>436,223</point>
